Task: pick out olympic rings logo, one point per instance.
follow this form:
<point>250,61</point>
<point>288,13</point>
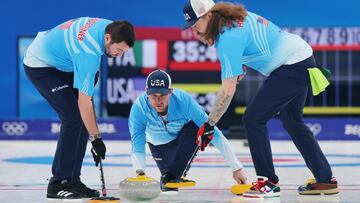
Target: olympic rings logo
<point>14,128</point>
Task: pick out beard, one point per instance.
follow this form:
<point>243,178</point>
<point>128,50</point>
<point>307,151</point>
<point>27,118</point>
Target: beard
<point>201,37</point>
<point>109,56</point>
<point>107,52</point>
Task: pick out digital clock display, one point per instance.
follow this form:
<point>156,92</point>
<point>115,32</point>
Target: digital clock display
<point>192,51</point>
<point>185,55</point>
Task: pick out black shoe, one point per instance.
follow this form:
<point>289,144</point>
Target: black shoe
<point>82,189</point>
<point>169,191</point>
<point>166,190</point>
<point>59,190</point>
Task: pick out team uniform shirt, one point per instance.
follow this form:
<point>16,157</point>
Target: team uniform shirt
<point>74,46</point>
<point>258,44</point>
<point>146,125</point>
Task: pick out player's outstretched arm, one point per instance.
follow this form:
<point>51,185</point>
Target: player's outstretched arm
<point>223,99</point>
<point>88,117</point>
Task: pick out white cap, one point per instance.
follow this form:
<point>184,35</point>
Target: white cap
<point>194,9</point>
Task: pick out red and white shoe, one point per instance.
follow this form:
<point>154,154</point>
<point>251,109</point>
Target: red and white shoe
<point>263,188</point>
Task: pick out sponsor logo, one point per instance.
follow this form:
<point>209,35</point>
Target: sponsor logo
<point>351,129</point>
<point>14,128</point>
<point>55,89</point>
<point>315,128</point>
<point>55,128</point>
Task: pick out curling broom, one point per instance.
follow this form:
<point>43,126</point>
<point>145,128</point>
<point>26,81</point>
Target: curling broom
<point>185,183</point>
<point>239,189</point>
<point>104,198</point>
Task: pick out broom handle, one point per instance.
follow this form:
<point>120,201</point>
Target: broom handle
<point>103,189</point>
<point>191,160</point>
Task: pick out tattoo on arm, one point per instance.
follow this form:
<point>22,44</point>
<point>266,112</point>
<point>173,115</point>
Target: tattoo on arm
<point>222,103</point>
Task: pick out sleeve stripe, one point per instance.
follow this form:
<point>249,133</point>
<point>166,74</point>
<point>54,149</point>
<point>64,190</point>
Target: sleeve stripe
<point>264,37</point>
<point>251,23</point>
<point>259,35</point>
<point>94,43</point>
<point>255,33</point>
<point>72,34</point>
<point>67,41</point>
<point>86,84</point>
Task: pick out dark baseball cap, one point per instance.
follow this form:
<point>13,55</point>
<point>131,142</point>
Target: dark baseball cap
<point>158,81</point>
<point>194,9</point>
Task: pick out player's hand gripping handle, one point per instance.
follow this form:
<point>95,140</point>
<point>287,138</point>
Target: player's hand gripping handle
<point>204,135</point>
<point>98,150</point>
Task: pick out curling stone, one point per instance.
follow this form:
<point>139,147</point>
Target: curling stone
<point>140,188</point>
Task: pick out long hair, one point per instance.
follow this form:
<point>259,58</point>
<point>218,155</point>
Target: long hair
<point>223,14</point>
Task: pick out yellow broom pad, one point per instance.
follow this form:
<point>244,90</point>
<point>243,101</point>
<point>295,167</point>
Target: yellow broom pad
<point>105,200</point>
<point>180,184</point>
<point>239,189</point>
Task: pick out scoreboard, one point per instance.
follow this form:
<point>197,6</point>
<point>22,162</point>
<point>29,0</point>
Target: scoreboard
<point>194,68</point>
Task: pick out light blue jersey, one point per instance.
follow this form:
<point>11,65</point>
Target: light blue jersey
<point>258,44</point>
<point>146,125</point>
<point>74,46</point>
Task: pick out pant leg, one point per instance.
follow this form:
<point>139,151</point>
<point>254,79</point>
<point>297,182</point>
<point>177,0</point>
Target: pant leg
<point>164,155</point>
<point>305,142</point>
<point>186,147</point>
<point>80,153</point>
<point>280,88</point>
<point>72,141</point>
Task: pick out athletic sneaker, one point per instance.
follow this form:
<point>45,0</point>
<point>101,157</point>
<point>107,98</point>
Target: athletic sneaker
<point>62,190</point>
<point>180,182</point>
<point>311,187</point>
<point>82,189</point>
<point>263,188</point>
<point>166,190</point>
<point>169,191</point>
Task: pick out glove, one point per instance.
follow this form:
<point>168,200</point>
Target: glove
<point>98,150</point>
<point>204,135</point>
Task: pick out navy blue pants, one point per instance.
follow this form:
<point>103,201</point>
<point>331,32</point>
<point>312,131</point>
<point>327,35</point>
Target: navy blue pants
<point>284,92</point>
<point>71,145</point>
<point>172,158</point>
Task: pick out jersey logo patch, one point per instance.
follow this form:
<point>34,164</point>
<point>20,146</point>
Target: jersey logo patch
<point>262,20</point>
<point>240,23</point>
